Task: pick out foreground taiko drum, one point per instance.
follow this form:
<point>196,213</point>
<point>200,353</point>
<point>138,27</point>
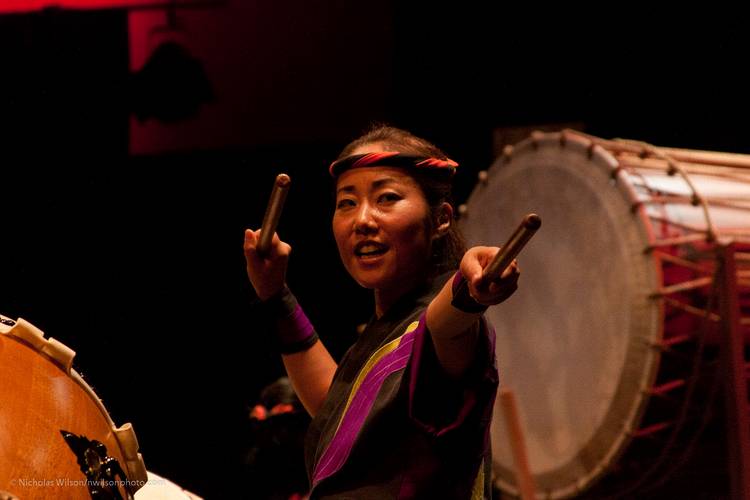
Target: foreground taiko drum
<point>618,274</point>
<point>56,438</point>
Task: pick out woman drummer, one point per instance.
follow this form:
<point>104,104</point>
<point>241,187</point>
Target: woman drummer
<point>406,411</point>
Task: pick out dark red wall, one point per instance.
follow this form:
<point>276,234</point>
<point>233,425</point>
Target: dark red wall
<point>297,72</point>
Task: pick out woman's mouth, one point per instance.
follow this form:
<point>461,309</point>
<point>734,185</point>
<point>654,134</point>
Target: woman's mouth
<point>369,250</point>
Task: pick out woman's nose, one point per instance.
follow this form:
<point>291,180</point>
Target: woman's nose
<point>364,222</point>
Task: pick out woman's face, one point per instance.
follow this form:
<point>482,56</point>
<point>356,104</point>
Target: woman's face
<point>382,227</point>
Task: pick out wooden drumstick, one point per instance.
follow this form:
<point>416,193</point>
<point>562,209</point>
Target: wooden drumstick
<point>273,213</point>
<point>524,479</point>
<point>511,249</point>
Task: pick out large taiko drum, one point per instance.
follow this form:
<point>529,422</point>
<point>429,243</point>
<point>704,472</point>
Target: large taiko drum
<point>56,438</point>
<point>618,274</point>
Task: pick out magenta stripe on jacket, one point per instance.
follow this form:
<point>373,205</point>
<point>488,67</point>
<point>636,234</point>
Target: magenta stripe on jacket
<point>341,445</point>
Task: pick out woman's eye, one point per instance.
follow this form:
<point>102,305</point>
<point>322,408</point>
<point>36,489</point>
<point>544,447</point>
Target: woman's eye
<point>388,197</point>
<point>345,203</point>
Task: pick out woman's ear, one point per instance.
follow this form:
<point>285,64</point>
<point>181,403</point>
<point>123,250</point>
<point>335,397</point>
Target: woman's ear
<point>444,220</point>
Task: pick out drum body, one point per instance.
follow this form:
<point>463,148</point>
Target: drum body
<point>581,341</point>
<point>56,438</point>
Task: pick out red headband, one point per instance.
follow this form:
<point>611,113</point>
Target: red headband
<point>392,159</point>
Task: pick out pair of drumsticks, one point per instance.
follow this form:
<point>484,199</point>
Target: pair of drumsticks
<point>493,271</point>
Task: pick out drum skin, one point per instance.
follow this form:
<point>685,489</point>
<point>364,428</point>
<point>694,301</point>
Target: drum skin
<point>39,400</point>
<point>578,342</point>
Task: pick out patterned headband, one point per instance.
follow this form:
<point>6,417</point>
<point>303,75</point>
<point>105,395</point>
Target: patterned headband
<point>392,159</point>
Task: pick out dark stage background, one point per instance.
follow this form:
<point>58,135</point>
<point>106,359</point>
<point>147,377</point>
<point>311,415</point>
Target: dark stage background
<point>123,238</point>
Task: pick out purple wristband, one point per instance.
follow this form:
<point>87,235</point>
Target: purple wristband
<point>294,332</point>
<point>462,299</point>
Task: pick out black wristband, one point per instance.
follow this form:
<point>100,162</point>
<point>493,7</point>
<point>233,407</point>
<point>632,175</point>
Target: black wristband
<point>462,299</point>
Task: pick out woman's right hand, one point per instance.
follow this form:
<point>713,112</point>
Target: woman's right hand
<point>268,273</point>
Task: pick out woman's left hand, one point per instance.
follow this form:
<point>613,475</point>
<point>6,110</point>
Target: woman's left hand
<point>492,292</point>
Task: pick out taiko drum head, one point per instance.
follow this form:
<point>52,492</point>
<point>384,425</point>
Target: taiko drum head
<point>576,342</point>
